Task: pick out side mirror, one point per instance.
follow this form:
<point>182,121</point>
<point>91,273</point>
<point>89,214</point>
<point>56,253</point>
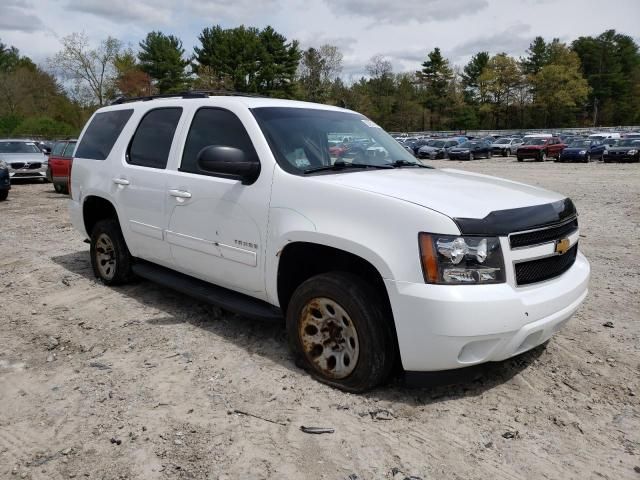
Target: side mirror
<point>229,162</point>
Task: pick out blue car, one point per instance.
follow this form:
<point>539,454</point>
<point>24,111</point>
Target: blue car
<point>583,150</point>
<point>5,181</point>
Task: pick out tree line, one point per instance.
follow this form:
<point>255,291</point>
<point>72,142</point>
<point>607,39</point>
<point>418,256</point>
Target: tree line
<point>593,81</point>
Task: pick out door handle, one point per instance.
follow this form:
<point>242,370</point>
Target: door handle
<point>121,181</point>
<point>179,194</point>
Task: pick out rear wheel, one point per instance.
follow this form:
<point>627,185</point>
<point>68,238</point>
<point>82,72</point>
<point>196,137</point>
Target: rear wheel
<point>340,332</point>
<point>110,257</point>
<point>57,187</point>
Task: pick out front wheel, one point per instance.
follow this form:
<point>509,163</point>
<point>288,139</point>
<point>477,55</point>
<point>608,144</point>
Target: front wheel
<point>340,331</point>
<point>507,152</point>
<point>110,257</point>
<point>3,195</point>
<point>587,158</point>
<point>472,156</point>
<point>543,157</point>
<point>520,159</point>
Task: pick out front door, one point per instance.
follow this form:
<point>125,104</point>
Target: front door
<point>216,224</point>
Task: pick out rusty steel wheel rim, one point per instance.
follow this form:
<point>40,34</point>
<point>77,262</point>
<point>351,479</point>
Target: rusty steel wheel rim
<point>329,338</point>
<point>105,257</point>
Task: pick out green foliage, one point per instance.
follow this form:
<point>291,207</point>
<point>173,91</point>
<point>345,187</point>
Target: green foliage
<point>44,126</point>
<point>471,77</point>
<point>161,57</point>
<point>435,77</point>
<point>248,59</point>
<point>611,65</point>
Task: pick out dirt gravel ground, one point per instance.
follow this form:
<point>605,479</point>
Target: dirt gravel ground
<point>140,382</point>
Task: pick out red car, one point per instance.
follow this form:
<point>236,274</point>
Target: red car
<point>540,148</point>
<point>60,160</point>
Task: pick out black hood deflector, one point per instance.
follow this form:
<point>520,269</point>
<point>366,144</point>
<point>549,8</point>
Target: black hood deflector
<point>504,222</point>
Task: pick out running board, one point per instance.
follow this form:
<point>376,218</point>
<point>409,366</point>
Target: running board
<point>224,298</point>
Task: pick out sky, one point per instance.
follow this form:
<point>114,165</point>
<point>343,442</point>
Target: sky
<point>403,32</point>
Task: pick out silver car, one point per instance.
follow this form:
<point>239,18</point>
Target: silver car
<point>24,158</point>
<point>505,146</point>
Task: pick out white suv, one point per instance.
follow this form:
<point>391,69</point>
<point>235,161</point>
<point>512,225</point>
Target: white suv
<point>371,256</point>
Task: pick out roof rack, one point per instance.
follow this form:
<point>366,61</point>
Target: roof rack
<point>188,94</point>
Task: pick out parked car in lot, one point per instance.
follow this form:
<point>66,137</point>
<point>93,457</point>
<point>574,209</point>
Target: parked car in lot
<point>583,150</point>
<point>437,148</point>
<point>540,148</point>
<point>5,181</point>
<point>24,158</point>
<point>236,200</point>
<point>60,160</point>
<point>505,146</point>
<point>626,150</point>
<point>470,150</point>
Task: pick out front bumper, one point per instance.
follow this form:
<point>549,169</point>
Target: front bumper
<point>572,157</point>
<point>442,327</point>
<point>29,173</point>
<point>529,153</point>
<point>620,157</point>
<point>459,156</point>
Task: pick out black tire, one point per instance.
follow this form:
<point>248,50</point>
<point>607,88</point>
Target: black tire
<point>57,187</point>
<point>506,153</point>
<point>542,157</point>
<point>368,317</point>
<point>587,158</point>
<point>3,195</point>
<point>520,159</point>
<point>471,156</point>
<point>120,271</point>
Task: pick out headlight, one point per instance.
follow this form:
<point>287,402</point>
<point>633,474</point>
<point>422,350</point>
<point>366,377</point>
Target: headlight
<point>632,152</point>
<point>605,152</point>
<point>458,260</point>
<point>3,165</point>
<point>582,152</point>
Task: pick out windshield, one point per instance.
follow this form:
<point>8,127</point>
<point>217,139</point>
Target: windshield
<point>629,142</point>
<point>18,147</point>
<point>468,145</point>
<point>503,141</point>
<point>535,141</point>
<point>580,143</point>
<point>299,138</point>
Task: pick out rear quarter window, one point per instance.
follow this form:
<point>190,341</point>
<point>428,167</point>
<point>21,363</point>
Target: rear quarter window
<point>102,133</point>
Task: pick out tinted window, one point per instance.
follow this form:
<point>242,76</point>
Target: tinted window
<point>213,126</point>
<point>68,152</point>
<point>152,141</point>
<point>58,148</point>
<point>102,133</point>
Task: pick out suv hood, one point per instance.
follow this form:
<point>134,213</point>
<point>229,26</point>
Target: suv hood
<point>455,193</point>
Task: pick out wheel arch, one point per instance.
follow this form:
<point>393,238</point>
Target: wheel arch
<point>96,208</point>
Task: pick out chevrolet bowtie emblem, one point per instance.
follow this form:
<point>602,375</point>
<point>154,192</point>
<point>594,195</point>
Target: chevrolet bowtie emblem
<point>562,246</point>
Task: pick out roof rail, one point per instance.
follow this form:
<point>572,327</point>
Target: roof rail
<point>187,94</point>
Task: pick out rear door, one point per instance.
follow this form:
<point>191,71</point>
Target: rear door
<point>139,183</point>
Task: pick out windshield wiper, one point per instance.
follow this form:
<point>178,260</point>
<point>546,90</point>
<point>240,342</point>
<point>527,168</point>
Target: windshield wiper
<point>342,165</point>
<point>407,163</point>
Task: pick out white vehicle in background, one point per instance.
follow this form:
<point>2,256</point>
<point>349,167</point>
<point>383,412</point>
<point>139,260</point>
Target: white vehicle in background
<point>604,136</point>
<point>372,258</point>
<point>24,159</point>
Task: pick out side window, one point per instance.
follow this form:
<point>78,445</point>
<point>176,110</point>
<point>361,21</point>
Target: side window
<point>102,133</point>
<point>58,148</point>
<point>68,151</point>
<point>152,141</point>
<point>214,126</point>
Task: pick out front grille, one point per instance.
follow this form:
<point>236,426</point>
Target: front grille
<point>17,165</point>
<point>537,237</point>
<point>545,268</point>
<point>28,166</point>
